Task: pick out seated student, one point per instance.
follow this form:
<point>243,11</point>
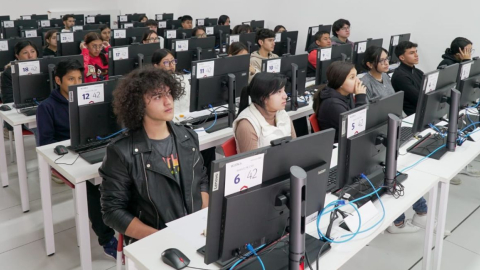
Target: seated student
<point>460,50</point>
<point>376,61</point>
<point>150,37</point>
<point>337,95</point>
<point>94,60</point>
<point>265,38</point>
<point>279,29</point>
<point>68,22</point>
<point>407,77</point>
<point>50,43</point>
<point>238,48</point>
<point>187,22</point>
<point>150,155</point>
<point>105,33</point>
<point>322,40</point>
<point>265,119</point>
<point>224,20</point>
<point>143,19</point>
<point>163,59</point>
<point>152,24</point>
<point>199,32</point>
<point>341,32</point>
<point>54,126</point>
<point>241,29</point>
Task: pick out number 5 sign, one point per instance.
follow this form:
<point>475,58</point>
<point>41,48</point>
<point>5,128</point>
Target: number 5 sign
<point>243,174</point>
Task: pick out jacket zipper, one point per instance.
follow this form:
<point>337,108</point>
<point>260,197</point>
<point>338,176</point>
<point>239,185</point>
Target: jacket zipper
<point>193,180</point>
<point>148,191</point>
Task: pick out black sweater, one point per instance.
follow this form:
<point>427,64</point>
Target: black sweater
<point>408,80</point>
<point>333,104</point>
<point>449,60</point>
<point>6,86</point>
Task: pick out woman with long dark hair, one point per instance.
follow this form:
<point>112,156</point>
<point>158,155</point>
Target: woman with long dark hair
<point>95,60</point>
<point>50,43</point>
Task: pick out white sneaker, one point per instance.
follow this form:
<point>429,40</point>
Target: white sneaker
<point>421,221</point>
<point>406,227</point>
<point>470,171</point>
<point>455,181</point>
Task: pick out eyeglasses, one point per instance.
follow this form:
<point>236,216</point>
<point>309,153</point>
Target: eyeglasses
<point>97,47</point>
<point>168,63</point>
<point>345,28</point>
<point>153,40</point>
<point>384,61</point>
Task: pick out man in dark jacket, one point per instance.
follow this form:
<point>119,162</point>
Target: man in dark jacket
<point>406,77</point>
<point>154,173</point>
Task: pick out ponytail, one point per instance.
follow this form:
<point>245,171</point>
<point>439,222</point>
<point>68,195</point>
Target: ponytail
<point>244,99</point>
<point>317,100</point>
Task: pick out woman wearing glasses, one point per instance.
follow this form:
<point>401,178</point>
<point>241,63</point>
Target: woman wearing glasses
<point>95,59</point>
<point>150,37</point>
<point>163,59</point>
<point>376,61</point>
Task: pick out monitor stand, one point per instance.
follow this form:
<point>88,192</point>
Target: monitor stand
<point>427,145</point>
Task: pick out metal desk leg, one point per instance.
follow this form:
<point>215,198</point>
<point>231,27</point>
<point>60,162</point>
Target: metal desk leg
<point>427,248</point>
<point>46,195</point>
<point>442,216</point>
<point>83,225</point>
<point>3,160</point>
<point>22,168</point>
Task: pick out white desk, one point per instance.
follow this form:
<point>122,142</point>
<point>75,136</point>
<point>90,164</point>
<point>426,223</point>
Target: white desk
<point>16,120</point>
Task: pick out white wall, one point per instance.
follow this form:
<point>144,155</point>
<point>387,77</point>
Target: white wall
<point>433,24</point>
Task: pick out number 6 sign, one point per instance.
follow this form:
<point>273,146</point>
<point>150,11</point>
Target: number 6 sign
<point>243,174</point>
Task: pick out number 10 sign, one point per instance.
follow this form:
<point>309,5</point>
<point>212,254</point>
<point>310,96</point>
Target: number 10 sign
<point>243,174</point>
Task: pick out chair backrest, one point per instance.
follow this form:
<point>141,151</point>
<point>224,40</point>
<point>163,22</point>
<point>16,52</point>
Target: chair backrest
<point>229,147</point>
<point>314,122</point>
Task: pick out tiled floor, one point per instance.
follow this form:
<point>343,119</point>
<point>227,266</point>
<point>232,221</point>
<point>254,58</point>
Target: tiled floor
<point>22,243</point>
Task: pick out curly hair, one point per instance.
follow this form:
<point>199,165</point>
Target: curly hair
<point>128,97</point>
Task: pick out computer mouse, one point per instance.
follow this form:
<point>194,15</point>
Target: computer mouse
<point>5,108</point>
<point>60,150</point>
<point>175,258</point>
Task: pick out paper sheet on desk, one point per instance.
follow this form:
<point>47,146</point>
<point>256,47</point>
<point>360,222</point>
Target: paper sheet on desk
<point>183,227</point>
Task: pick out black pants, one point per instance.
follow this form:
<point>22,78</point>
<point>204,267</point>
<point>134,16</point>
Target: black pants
<point>103,232</point>
<point>208,156</point>
<point>301,126</point>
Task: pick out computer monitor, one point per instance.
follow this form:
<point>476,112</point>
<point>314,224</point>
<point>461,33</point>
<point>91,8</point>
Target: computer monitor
<point>12,29</point>
<point>171,35</point>
<point>313,30</point>
<point>294,67</point>
<point>286,42</point>
<point>255,24</point>
<point>122,19</point>
<point>193,49</point>
<point>259,215</point>
<point>326,56</point>
<point>101,19</point>
<point>43,30</point>
<point>34,17</point>
<point>4,18</point>
<point>68,43</point>
<point>122,60</point>
<point>29,33</point>
<point>468,82</point>
<point>57,23</point>
<point>139,24</point>
<point>174,24</point>
<point>92,26</point>
<point>394,40</point>
<point>135,17</point>
<point>122,37</point>
<point>206,22</point>
<point>220,32</point>
<point>164,16</point>
<point>248,39</point>
<point>7,50</point>
<point>125,25</point>
<point>79,19</point>
<point>359,52</point>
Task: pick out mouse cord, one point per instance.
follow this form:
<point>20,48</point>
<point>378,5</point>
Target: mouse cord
<point>66,163</point>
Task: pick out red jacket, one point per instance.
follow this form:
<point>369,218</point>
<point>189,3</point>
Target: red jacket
<point>95,70</point>
<point>312,58</point>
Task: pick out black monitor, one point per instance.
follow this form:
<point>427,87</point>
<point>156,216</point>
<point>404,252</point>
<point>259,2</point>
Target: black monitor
<point>29,33</point>
<point>164,16</point>
<point>468,82</point>
<point>26,24</point>
<point>122,37</point>
<point>68,43</point>
<point>206,22</point>
<point>326,56</point>
<point>313,30</point>
<point>122,60</point>
<point>248,39</point>
<point>122,19</point>
<point>98,19</point>
<point>174,24</point>
<point>125,25</point>
<point>255,24</point>
<point>34,17</point>
<point>135,17</point>
<point>258,215</point>
<point>4,18</point>
<point>57,23</point>
<point>139,24</point>
<point>171,35</point>
<point>92,26</point>
<point>294,67</point>
<point>193,49</point>
<point>359,52</point>
<point>79,19</point>
<point>7,51</point>
<point>286,42</point>
<point>394,40</point>
<point>43,30</point>
<point>220,32</point>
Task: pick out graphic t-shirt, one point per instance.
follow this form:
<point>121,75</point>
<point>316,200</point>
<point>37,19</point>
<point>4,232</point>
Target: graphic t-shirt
<point>166,148</point>
<point>95,70</point>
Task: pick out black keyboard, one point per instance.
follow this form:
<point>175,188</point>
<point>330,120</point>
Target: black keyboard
<point>204,118</point>
<point>405,134</point>
<point>89,146</point>
<point>29,112</point>
<point>24,105</point>
<point>332,176</point>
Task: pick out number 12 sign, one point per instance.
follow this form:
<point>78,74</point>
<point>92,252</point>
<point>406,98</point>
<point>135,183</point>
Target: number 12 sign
<point>90,94</point>
<point>243,174</point>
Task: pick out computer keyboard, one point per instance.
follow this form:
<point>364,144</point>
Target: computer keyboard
<point>89,146</point>
<point>29,112</point>
<point>24,105</point>
<point>405,134</point>
<point>204,118</point>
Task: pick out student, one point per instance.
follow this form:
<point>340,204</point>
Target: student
<point>242,29</point>
<point>68,22</point>
<point>376,61</point>
<point>50,43</point>
<point>322,40</point>
<point>152,24</point>
<point>238,48</point>
<point>341,32</point>
<point>163,59</point>
<point>94,60</point>
<point>54,126</point>
<point>279,29</point>
<point>337,96</point>
<point>407,77</point>
<point>224,20</point>
<point>187,22</point>
<point>143,19</point>
<point>150,37</point>
<point>154,173</point>
<point>199,32</point>
<point>265,38</point>
<point>105,33</point>
<point>460,50</point>
<point>265,119</point>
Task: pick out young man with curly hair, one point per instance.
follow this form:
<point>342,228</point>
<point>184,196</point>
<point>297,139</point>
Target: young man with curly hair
<point>154,172</point>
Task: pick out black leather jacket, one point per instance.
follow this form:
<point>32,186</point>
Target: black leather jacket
<point>135,185</point>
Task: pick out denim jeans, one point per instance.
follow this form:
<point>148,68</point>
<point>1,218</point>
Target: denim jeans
<point>419,206</point>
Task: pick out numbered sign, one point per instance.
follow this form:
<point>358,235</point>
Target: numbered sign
<point>45,23</point>
<point>273,66</point>
<point>209,31</point>
<point>159,17</point>
<point>181,45</point>
<point>119,33</point>
<point>128,25</point>
<point>120,53</point>
<point>200,22</point>
<point>362,47</point>
<point>28,68</point>
<point>234,38</point>
<point>66,37</point>
<point>243,174</point>
<point>90,94</point>
<point>77,28</point>
<point>162,24</point>
<point>356,123</point>
<point>171,34</point>
<point>326,54</point>
<point>26,17</point>
<point>431,82</point>
<point>123,18</point>
<point>3,45</point>
<point>314,30</point>
<point>205,69</point>
<point>90,19</point>
<point>395,40</point>
<point>30,33</point>
<point>465,71</point>
<point>8,24</point>
<point>278,37</point>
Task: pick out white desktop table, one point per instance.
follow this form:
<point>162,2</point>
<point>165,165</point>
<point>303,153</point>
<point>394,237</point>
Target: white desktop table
<point>16,120</point>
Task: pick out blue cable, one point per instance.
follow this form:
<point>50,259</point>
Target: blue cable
<point>36,102</point>
<point>251,249</point>
<point>215,121</point>
<point>470,119</point>
<point>247,255</point>
<point>186,71</point>
<point>421,160</point>
<point>320,234</point>
<point>110,136</point>
<point>437,130</point>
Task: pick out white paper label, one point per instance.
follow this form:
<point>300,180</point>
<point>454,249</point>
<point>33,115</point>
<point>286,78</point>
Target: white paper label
<point>171,34</point>
<point>395,40</point>
<point>243,174</point>
<point>234,38</point>
<point>465,71</point>
<point>278,37</point>
<point>90,94</point>
<point>8,24</point>
<point>66,37</point>
<point>362,47</point>
<point>120,53</point>
<point>356,122</point>
<point>26,17</point>
<point>28,68</point>
<point>314,30</point>
<point>45,23</point>
<point>181,45</point>
<point>431,82</point>
<point>246,23</point>
<point>90,19</point>
<point>159,17</point>
<point>205,69</point>
<point>123,18</point>
<point>119,33</point>
<point>3,45</point>
<point>325,54</point>
<point>200,22</point>
<point>77,28</point>
<point>273,66</point>
<point>162,24</point>
<point>209,30</point>
<point>367,212</point>
<point>30,33</point>
<point>128,25</point>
